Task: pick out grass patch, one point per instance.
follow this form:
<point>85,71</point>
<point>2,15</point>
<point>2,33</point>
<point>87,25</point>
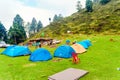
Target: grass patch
<point>101,60</point>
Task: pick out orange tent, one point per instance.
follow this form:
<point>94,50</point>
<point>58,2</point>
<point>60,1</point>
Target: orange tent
<point>78,48</point>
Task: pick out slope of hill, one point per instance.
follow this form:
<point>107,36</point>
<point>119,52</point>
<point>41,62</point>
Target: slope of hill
<point>103,19</point>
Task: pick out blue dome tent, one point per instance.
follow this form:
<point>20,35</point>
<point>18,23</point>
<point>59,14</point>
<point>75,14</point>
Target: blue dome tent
<point>64,51</point>
<point>16,51</point>
<point>40,54</point>
<point>85,43</point>
<point>8,49</point>
<point>88,42</point>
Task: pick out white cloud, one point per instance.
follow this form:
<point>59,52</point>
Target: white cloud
<point>8,11</point>
<point>65,7</point>
<point>27,13</point>
<point>40,9</point>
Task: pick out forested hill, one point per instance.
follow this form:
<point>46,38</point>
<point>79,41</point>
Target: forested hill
<point>103,19</point>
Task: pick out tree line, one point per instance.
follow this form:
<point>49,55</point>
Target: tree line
<point>17,33</point>
<point>89,4</point>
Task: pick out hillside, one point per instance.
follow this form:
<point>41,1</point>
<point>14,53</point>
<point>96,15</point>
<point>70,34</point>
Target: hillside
<point>104,19</point>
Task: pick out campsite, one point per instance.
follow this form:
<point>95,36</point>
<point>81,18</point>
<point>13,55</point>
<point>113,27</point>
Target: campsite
<point>101,61</point>
<point>60,40</point>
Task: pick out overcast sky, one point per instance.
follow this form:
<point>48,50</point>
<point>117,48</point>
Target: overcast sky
<point>40,9</point>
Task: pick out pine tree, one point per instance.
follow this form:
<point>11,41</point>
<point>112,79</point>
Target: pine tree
<point>55,18</point>
<point>18,20</point>
<point>13,35</point>
<point>89,5</point>
<point>39,26</point>
<point>10,36</point>
<point>3,32</point>
<point>33,26</point>
<point>17,33</point>
<point>104,1</point>
<point>60,17</point>
<point>79,6</point>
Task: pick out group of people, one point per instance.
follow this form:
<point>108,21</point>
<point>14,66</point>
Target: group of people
<point>37,44</point>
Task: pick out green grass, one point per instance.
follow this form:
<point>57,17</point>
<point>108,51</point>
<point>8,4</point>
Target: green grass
<point>101,60</point>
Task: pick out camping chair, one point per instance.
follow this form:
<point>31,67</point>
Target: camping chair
<point>75,58</point>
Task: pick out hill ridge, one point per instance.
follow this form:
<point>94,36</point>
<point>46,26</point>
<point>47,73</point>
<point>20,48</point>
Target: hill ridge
<point>103,19</point>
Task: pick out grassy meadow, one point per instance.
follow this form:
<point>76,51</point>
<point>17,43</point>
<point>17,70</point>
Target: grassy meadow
<point>101,60</point>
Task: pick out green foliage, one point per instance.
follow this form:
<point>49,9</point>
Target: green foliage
<point>33,26</point>
<point>89,6</point>
<point>104,1</point>
<point>57,17</point>
<point>39,26</point>
<point>16,32</point>
<point>3,33</point>
<point>79,6</point>
<point>96,1</point>
<point>18,20</point>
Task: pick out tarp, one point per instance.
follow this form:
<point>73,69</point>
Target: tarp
<point>85,43</point>
<point>64,51</point>
<point>78,48</point>
<point>68,74</point>
<point>16,51</point>
<point>40,54</point>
